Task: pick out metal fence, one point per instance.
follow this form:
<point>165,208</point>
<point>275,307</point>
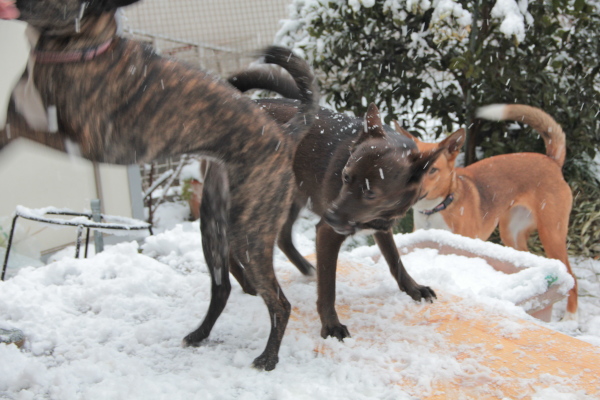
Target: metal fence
<point>221,36</point>
<point>218,35</point>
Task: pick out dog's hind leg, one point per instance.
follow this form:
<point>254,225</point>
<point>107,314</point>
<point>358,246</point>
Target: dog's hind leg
<point>279,312</point>
<point>555,247</point>
<point>214,221</point>
<point>263,279</point>
<point>258,211</point>
<point>385,242</point>
<point>285,243</point>
<point>553,235</point>
<point>516,227</point>
<point>239,273</point>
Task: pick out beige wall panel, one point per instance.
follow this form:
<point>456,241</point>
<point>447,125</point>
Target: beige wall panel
<point>34,176</point>
<point>13,57</point>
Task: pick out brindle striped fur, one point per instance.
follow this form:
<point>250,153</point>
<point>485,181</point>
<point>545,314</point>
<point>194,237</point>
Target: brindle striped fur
<point>129,105</point>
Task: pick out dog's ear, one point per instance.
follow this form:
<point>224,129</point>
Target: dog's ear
<point>455,141</point>
<point>406,133</point>
<point>373,126</point>
<point>421,162</point>
<point>101,6</point>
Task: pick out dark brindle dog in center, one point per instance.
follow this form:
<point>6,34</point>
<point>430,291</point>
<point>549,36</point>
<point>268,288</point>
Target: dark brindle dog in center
<point>119,102</point>
<point>358,174</point>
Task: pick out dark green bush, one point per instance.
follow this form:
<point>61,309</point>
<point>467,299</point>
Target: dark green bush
<point>431,68</point>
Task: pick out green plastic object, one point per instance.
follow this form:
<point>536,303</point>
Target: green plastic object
<point>9,336</point>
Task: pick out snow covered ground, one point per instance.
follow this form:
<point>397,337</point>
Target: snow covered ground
<point>110,327</point>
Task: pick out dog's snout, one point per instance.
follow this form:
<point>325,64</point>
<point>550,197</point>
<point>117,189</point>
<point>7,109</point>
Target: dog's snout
<point>339,223</point>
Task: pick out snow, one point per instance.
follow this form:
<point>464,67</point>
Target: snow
<point>109,223</point>
<point>110,326</point>
<point>596,165</point>
<point>449,8</point>
<point>448,17</point>
<point>513,16</point>
<point>191,171</point>
<point>357,4</point>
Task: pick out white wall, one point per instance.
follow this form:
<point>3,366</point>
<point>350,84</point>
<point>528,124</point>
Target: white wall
<point>13,53</point>
<point>34,176</point>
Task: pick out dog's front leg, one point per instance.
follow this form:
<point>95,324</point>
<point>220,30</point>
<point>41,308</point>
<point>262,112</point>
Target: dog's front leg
<point>385,241</point>
<point>328,247</point>
<point>258,256</point>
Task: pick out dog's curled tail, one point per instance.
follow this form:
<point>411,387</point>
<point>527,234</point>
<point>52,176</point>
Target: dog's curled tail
<point>544,124</point>
<point>301,87</point>
<point>266,78</point>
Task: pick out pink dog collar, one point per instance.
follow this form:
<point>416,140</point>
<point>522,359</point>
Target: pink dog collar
<point>59,57</point>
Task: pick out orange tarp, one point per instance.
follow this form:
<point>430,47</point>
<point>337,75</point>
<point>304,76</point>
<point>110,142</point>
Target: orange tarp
<point>518,362</point>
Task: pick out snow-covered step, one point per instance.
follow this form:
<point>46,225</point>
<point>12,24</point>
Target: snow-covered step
<point>466,266</point>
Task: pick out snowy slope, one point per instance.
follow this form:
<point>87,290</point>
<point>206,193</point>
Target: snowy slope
<point>110,327</point>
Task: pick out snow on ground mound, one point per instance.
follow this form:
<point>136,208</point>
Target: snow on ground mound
<point>110,327</point>
<point>462,275</point>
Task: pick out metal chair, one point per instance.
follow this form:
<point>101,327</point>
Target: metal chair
<point>81,221</point>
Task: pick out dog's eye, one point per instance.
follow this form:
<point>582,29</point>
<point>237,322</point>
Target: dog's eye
<point>433,170</point>
<point>369,195</point>
<point>346,178</point>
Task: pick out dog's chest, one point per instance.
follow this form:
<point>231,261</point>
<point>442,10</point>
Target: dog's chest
<point>433,221</point>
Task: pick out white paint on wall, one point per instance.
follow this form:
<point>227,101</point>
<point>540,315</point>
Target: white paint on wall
<point>115,190</point>
<point>35,176</point>
<point>13,53</point>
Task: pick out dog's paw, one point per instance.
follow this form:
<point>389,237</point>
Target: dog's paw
<point>419,293</point>
<point>309,270</point>
<point>569,316</point>
<point>304,266</point>
<point>265,362</point>
<point>193,339</point>
<point>338,331</point>
<point>427,293</point>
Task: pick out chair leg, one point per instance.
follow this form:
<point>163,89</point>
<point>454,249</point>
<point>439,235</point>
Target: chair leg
<point>78,242</point>
<point>8,246</point>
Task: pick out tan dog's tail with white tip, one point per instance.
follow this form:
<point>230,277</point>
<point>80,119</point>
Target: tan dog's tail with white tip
<point>544,124</point>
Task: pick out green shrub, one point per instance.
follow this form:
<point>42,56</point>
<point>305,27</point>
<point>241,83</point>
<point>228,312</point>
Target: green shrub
<point>431,64</point>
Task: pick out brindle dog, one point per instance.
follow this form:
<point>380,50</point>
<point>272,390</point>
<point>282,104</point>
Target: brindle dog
<point>119,102</point>
<point>358,174</point>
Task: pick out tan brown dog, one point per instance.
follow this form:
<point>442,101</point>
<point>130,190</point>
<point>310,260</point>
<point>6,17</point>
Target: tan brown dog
<point>117,101</point>
<point>518,192</point>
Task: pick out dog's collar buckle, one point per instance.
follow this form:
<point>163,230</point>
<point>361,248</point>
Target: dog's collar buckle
<point>442,206</point>
<point>59,57</point>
